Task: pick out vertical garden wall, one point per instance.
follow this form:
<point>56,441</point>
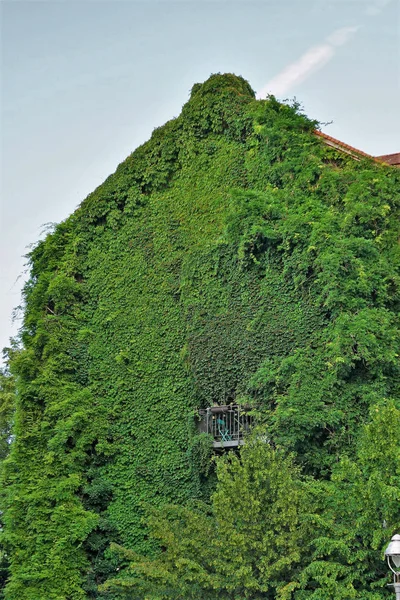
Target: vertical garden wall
<point>231,257</point>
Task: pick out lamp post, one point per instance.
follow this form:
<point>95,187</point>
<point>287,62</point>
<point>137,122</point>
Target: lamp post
<point>392,554</point>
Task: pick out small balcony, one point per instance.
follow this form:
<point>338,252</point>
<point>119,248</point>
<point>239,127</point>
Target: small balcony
<point>228,425</point>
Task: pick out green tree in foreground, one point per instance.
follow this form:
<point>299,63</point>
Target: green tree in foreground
<point>271,533</point>
<point>247,544</point>
<point>358,512</point>
<point>7,409</point>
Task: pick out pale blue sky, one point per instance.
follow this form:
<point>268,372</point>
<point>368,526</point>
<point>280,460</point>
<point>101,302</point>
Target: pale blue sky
<point>85,82</point>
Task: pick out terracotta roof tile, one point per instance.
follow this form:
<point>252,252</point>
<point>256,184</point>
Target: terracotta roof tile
<point>390,159</point>
<point>331,141</point>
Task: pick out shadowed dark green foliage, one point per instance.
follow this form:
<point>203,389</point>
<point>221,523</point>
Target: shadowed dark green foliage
<point>233,256</point>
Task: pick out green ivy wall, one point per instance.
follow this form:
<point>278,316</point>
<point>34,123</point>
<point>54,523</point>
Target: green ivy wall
<point>232,256</point>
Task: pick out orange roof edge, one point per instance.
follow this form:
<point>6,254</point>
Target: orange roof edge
<point>384,159</point>
<point>331,141</point>
<point>390,159</point>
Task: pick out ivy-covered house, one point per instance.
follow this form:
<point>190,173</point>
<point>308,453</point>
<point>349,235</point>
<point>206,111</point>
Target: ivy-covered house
<point>238,258</point>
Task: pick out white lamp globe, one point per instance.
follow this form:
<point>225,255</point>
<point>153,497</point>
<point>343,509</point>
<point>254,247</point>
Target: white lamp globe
<point>392,552</point>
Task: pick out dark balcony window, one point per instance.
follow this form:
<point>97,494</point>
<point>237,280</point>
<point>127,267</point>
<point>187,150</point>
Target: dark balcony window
<point>228,425</point>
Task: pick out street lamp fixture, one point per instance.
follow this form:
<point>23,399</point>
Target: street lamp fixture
<point>392,554</point>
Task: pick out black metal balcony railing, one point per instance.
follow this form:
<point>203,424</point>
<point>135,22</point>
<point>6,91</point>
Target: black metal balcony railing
<point>226,424</point>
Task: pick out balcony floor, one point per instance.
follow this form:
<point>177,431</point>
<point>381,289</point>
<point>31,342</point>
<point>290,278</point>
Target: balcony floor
<point>228,444</point>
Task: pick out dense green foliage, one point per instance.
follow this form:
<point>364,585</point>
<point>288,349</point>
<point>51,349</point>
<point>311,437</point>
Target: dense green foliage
<point>232,256</point>
<point>7,410</point>
<point>271,533</point>
<point>239,547</point>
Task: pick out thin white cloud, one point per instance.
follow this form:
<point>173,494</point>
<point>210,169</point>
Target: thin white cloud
<point>342,35</point>
<point>313,60</point>
<point>298,71</point>
<point>316,57</point>
<point>376,7</point>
